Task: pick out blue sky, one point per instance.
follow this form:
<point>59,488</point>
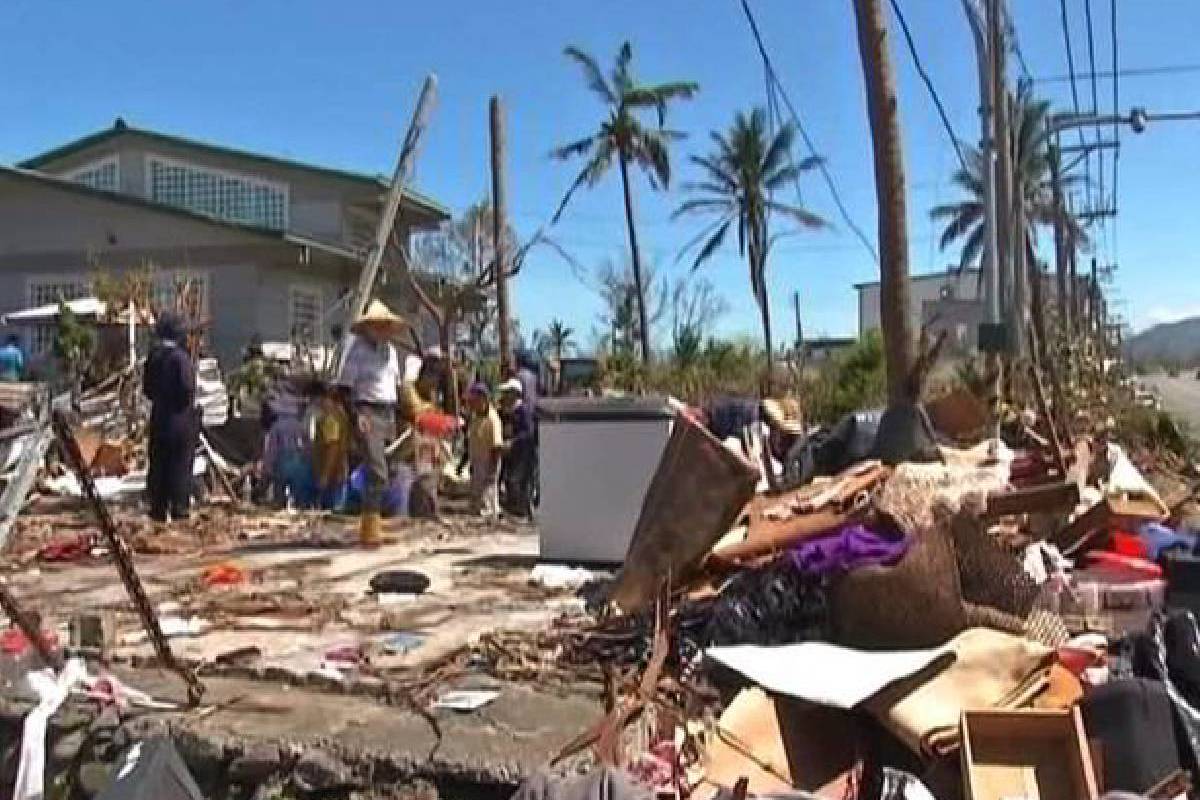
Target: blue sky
<point>334,83</point>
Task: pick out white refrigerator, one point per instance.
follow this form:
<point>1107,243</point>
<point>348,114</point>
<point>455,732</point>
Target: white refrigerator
<point>597,456</point>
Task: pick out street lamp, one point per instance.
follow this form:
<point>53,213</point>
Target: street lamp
<point>1137,119</point>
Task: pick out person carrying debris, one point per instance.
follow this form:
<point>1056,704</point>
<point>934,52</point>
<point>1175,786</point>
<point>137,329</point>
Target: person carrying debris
<point>520,450</point>
<point>485,444</point>
<point>371,371</point>
<point>169,383</point>
<point>12,360</point>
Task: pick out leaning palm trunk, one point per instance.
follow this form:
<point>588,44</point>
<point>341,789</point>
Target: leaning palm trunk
<point>635,260</point>
<point>894,294</point>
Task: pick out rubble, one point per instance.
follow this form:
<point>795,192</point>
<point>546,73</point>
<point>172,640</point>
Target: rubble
<point>967,610</point>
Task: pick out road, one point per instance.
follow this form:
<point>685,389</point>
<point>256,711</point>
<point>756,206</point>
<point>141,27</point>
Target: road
<point>1180,396</point>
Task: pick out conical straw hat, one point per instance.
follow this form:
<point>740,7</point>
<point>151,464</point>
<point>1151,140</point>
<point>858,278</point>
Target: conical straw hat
<point>379,315</point>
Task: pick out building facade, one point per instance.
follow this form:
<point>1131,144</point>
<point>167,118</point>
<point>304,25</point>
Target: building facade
<point>271,247</point>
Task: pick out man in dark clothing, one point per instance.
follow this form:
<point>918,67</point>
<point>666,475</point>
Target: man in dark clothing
<point>169,383</point>
<point>520,450</point>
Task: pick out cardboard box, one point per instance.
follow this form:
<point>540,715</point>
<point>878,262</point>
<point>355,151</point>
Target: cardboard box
<point>1026,755</point>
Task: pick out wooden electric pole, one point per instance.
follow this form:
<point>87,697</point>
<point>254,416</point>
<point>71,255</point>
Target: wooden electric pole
<point>499,217</point>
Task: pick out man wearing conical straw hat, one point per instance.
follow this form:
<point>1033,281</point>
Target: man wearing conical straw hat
<point>372,371</point>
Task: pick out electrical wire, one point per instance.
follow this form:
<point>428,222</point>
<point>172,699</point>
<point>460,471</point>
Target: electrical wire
<point>1116,97</point>
<point>1133,72</point>
<point>1091,43</point>
<point>833,190</point>
<point>1066,29</point>
<point>937,101</point>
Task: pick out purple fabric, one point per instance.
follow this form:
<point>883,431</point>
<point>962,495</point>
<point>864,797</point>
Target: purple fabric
<point>849,547</point>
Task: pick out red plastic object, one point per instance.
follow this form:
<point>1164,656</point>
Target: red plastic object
<point>435,423</point>
<point>14,643</point>
<point>1128,544</point>
<point>1121,565</point>
<point>63,550</point>
<point>224,574</point>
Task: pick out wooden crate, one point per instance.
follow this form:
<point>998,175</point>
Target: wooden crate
<point>1028,754</point>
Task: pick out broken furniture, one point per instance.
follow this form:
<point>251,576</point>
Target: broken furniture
<point>1027,754</point>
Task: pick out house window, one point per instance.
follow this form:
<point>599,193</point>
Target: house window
<point>103,174</point>
<point>305,311</point>
<point>44,290</point>
<point>224,195</point>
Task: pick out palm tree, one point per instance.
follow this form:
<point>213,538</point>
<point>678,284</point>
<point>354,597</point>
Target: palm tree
<point>557,338</point>
<point>748,165</point>
<point>1031,187</point>
<point>624,137</point>
<point>895,297</point>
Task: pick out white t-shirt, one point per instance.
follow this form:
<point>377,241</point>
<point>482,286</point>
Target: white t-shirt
<point>371,371</point>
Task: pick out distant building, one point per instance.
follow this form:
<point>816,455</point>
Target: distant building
<point>825,348</point>
<point>272,245</point>
<point>952,297</point>
<point>948,301</point>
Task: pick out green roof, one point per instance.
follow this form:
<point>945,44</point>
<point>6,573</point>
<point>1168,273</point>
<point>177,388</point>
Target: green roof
<point>120,128</point>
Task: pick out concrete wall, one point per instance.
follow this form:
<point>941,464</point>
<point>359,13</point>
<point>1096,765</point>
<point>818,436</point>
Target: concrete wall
<point>925,288</point>
<point>48,232</point>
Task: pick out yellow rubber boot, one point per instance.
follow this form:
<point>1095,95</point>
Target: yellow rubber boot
<point>370,532</point>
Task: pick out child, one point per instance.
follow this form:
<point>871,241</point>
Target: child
<point>331,449</point>
<point>285,460</point>
<point>485,443</point>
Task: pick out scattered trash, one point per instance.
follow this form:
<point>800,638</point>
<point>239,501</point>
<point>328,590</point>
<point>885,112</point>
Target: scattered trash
<point>227,573</point>
<point>399,581</point>
<point>465,700</point>
<point>402,643</point>
<point>559,576</point>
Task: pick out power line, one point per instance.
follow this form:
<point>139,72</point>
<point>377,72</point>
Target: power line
<point>1116,96</point>
<point>1066,29</point>
<point>1091,42</point>
<point>937,101</point>
<point>833,190</point>
<point>1133,72</point>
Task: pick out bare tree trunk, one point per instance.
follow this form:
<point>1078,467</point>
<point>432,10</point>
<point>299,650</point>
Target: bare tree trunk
<point>499,208</point>
<point>635,261</point>
<point>1037,302</point>
<point>894,290</point>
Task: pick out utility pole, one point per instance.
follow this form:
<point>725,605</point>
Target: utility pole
<point>401,176</point>
<point>1003,180</point>
<point>1060,260</point>
<point>499,215</point>
<point>978,19</point>
<point>799,326</point>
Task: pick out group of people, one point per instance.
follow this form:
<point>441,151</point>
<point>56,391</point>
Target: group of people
<point>311,436</point>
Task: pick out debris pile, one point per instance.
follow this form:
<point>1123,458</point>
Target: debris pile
<point>965,625</point>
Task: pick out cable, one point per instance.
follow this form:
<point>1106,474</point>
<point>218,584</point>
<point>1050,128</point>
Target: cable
<point>937,101</point>
<point>1091,42</point>
<point>1134,72</point>
<point>1014,44</point>
<point>837,198</point>
<point>1066,29</point>
<point>1116,93</point>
